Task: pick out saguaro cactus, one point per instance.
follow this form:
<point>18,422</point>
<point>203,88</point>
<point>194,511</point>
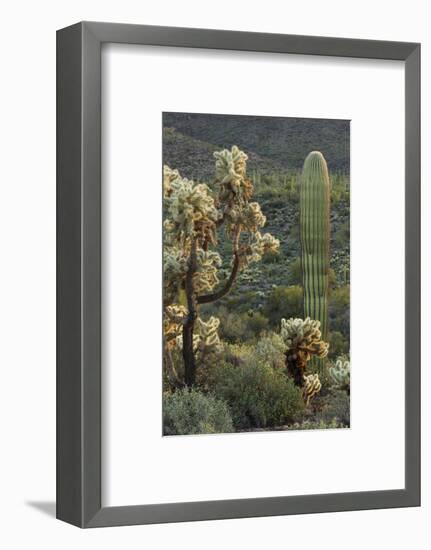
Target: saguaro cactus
<point>314,230</point>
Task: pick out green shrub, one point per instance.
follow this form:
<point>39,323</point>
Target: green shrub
<point>240,302</point>
<point>258,395</point>
<point>338,345</point>
<point>284,302</point>
<point>295,272</point>
<point>238,327</point>
<point>256,323</point>
<point>192,412</point>
<point>233,326</point>
<point>335,407</point>
<point>342,235</point>
<point>270,348</point>
<point>272,257</point>
<point>339,311</point>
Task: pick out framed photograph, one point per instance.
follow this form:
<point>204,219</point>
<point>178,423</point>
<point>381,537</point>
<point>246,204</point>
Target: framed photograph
<point>238,274</point>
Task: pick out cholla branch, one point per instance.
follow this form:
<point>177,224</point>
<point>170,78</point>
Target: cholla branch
<point>303,340</point>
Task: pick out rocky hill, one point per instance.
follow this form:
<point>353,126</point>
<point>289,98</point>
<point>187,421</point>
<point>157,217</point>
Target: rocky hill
<point>283,140</point>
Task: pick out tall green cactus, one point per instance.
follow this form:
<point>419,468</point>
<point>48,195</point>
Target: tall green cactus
<point>314,229</point>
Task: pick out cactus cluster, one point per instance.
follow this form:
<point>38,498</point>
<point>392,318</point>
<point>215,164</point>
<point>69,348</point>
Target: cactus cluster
<point>303,340</point>
<point>230,169</point>
<point>339,374</point>
<point>314,231</point>
<point>206,336</point>
<point>191,207</point>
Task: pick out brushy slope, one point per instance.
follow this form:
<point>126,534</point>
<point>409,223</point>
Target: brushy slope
<point>287,141</point>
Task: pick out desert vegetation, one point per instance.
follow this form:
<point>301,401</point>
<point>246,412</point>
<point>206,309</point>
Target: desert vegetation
<point>256,321</point>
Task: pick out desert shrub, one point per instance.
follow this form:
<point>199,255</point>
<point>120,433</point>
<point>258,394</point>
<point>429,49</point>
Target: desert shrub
<point>332,280</point>
<point>233,326</point>
<point>325,379</point>
<point>338,345</point>
<point>342,235</point>
<point>335,406</point>
<point>237,327</point>
<point>272,257</point>
<point>283,302</point>
<point>256,323</point>
<point>295,272</point>
<point>240,302</point>
<point>258,395</point>
<point>270,348</point>
<point>192,412</point>
<point>339,310</point>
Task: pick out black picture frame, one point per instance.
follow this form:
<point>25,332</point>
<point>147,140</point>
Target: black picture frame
<point>79,273</point>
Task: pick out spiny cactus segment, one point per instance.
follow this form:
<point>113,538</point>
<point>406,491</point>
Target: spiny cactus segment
<point>312,387</point>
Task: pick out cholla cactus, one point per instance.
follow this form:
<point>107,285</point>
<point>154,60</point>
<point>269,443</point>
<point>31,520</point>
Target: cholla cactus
<point>205,338</point>
<point>303,340</point>
<point>252,217</point>
<point>174,271</point>
<point>262,245</point>
<point>168,177</point>
<point>209,338</point>
<point>194,211</point>
<point>191,207</point>
<point>230,169</point>
<point>312,387</point>
<point>206,276</point>
<point>339,373</point>
<point>173,318</point>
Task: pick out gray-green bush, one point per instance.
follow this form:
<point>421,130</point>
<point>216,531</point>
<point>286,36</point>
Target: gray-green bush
<point>335,407</point>
<point>189,411</point>
<point>284,302</point>
<point>258,395</point>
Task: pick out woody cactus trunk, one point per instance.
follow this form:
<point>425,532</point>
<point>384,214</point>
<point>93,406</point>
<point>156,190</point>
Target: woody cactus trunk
<point>314,232</point>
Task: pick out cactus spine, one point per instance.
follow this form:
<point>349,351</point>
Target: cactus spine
<point>314,230</point>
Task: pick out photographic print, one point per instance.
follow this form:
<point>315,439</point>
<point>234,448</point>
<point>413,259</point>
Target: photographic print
<point>256,273</point>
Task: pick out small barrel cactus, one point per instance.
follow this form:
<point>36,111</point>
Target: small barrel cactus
<point>339,373</point>
<point>312,387</point>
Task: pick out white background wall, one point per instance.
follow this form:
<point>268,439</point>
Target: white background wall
<point>27,290</point>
